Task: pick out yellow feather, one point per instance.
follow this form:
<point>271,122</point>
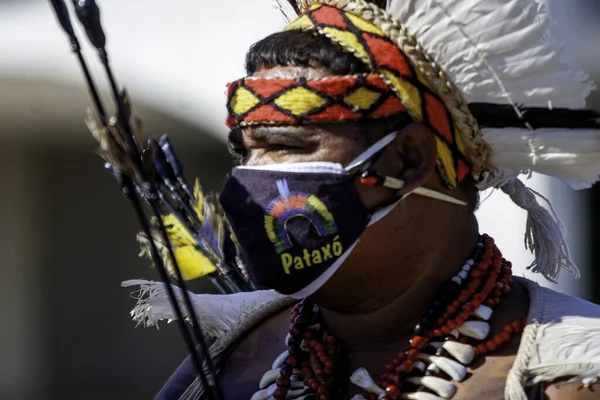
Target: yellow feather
<point>192,263</point>
<point>199,195</point>
<point>177,233</point>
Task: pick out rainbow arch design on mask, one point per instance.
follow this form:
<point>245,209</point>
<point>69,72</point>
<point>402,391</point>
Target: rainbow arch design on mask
<point>289,205</point>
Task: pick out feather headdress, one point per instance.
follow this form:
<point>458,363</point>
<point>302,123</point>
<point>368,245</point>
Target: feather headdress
<point>517,103</point>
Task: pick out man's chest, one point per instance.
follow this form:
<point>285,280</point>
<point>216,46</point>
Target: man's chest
<point>254,356</point>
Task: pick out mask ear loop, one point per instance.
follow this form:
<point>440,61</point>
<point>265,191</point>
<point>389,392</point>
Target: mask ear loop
<point>371,155</point>
<point>373,178</point>
<point>362,165</point>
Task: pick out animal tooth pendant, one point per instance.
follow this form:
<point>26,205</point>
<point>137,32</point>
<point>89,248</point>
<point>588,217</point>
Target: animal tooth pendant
<point>420,396</point>
<point>361,378</point>
<point>455,370</point>
<point>432,370</point>
<point>304,346</point>
<point>464,353</point>
<point>419,365</point>
<point>460,351</point>
<point>474,329</point>
<point>265,394</point>
<point>269,378</point>
<point>440,386</point>
<point>484,312</point>
<point>280,360</point>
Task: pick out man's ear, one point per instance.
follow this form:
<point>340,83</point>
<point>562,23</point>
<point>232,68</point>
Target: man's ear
<point>416,147</point>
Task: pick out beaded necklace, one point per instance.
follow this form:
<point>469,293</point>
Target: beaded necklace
<point>446,339</point>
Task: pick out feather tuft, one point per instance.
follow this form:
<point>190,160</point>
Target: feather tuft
<point>545,235</point>
<point>199,200</point>
<point>217,314</point>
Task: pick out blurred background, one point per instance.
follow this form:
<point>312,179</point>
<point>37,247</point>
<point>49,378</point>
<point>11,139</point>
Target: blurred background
<point>67,237</point>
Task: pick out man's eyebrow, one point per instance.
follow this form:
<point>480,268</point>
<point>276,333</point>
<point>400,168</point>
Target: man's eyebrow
<point>291,134</point>
<point>234,138</point>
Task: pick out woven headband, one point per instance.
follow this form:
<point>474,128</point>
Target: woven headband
<point>264,101</point>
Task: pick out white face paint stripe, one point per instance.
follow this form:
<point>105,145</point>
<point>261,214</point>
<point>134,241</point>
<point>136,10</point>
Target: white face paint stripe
<point>371,151</point>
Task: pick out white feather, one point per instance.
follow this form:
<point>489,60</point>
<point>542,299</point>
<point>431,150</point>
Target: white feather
<point>572,156</point>
<point>496,51</point>
<point>217,314</point>
<point>285,9</point>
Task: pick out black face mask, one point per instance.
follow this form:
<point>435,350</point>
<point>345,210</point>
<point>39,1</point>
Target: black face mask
<point>298,222</point>
<point>293,226</point>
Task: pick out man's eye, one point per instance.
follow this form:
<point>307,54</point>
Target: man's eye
<point>238,152</point>
<point>281,147</point>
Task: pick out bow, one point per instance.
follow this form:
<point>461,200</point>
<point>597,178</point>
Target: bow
<point>184,232</point>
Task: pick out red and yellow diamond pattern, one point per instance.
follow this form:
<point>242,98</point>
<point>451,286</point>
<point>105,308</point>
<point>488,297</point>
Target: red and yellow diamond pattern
<point>254,101</point>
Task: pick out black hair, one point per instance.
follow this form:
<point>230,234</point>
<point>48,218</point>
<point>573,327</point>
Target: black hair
<point>302,49</point>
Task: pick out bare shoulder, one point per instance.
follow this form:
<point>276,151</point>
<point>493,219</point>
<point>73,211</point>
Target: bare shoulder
<point>572,391</point>
<point>253,355</point>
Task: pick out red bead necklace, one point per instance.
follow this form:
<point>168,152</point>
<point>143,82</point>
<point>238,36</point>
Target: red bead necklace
<point>313,351</point>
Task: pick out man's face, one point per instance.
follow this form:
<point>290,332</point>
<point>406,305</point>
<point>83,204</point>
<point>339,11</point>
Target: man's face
<point>411,157</point>
<point>338,143</point>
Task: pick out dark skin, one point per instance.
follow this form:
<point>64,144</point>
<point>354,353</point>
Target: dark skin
<point>422,243</point>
